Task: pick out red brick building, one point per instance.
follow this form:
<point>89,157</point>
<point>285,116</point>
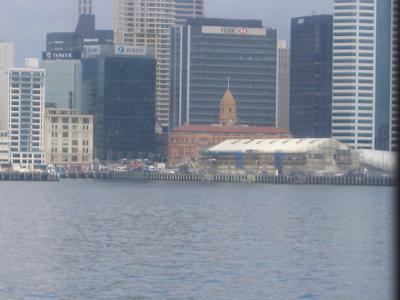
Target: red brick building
<point>186,142</point>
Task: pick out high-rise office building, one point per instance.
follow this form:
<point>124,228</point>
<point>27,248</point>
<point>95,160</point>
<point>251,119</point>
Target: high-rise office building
<point>118,89</point>
<point>62,58</point>
<point>7,60</point>
<point>26,115</point>
<point>311,76</point>
<point>354,73</point>
<point>363,100</point>
<point>85,7</point>
<point>147,23</point>
<point>63,80</point>
<point>185,9</point>
<point>283,81</point>
<point>209,55</point>
<point>7,55</point>
<point>383,73</point>
<point>394,128</point>
<point>85,36</point>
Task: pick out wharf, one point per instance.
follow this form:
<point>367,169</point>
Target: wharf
<point>259,179</point>
<point>16,176</point>
<point>216,178</point>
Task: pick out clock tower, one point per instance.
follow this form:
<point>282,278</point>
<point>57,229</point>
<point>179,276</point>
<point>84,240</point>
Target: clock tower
<point>227,114</point>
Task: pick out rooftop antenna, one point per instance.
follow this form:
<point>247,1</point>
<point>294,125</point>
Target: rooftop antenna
<point>229,82</point>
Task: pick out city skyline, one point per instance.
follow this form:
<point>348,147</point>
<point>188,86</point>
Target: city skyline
<point>27,27</point>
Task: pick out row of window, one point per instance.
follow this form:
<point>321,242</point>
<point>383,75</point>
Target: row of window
<point>351,121</point>
<point>347,114</point>
<point>353,41</point>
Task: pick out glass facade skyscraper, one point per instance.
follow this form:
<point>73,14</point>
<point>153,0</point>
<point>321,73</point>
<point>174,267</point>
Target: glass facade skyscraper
<point>394,128</point>
<point>207,55</point>
<point>62,82</point>
<point>383,71</point>
<point>119,91</point>
<point>311,76</point>
<point>147,23</point>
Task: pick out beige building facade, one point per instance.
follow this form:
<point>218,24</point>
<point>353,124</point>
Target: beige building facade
<point>68,137</point>
<point>85,7</point>
<point>4,148</point>
<point>185,9</point>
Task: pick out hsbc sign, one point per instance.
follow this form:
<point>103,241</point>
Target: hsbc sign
<point>234,30</point>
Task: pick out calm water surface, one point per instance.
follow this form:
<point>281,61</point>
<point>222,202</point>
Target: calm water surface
<point>83,239</point>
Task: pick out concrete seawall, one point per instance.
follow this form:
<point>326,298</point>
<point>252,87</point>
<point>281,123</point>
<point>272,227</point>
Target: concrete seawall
<point>15,176</point>
<point>323,180</point>
<point>222,178</point>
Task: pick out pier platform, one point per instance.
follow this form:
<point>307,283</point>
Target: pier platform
<point>259,179</point>
<point>16,176</point>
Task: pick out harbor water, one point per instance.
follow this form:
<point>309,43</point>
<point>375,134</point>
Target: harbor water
<point>94,239</point>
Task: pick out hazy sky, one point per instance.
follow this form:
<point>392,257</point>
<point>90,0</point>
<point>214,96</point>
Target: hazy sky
<point>26,22</point>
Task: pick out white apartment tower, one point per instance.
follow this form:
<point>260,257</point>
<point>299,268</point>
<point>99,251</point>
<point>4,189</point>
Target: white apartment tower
<point>354,63</point>
<point>26,92</point>
<point>85,7</point>
<point>147,23</point>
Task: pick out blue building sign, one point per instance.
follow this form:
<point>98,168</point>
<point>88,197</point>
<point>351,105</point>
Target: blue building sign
<point>239,160</point>
<point>278,161</point>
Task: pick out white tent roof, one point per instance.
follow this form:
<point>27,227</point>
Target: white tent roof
<point>276,145</point>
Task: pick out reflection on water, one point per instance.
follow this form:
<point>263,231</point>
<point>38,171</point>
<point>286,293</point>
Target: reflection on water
<point>83,239</point>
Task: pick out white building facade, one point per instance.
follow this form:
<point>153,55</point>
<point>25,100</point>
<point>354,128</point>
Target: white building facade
<point>354,63</point>
<point>26,90</point>
<point>147,23</point>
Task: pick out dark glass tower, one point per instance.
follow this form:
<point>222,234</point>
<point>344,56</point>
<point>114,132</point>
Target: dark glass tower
<point>205,53</point>
<point>85,34</point>
<point>311,76</point>
<point>119,91</point>
<point>383,74</point>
